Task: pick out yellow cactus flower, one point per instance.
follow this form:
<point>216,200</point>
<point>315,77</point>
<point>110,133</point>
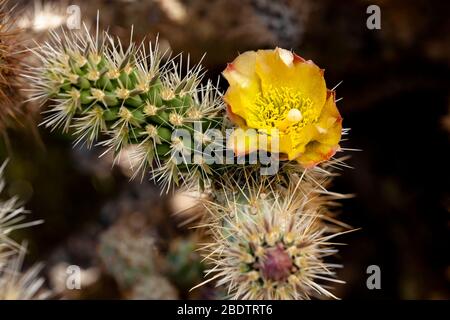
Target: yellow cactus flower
<point>278,92</point>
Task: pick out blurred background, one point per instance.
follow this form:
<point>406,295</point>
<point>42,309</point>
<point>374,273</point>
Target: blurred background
<point>395,89</point>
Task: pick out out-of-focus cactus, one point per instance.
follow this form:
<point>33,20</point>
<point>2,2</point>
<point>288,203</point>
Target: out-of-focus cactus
<point>127,256</point>
<point>12,217</point>
<point>15,284</point>
<point>154,287</point>
<point>134,263</point>
<point>11,67</point>
<point>18,285</point>
<point>184,264</point>
<point>213,26</point>
<point>285,19</point>
<point>42,16</point>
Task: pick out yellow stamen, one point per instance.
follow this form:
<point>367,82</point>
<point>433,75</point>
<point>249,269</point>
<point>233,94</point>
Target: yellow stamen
<point>282,107</point>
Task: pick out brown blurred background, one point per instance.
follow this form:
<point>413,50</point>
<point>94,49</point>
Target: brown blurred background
<point>396,101</point>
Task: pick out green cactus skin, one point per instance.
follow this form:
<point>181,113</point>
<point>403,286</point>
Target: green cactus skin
<point>121,98</point>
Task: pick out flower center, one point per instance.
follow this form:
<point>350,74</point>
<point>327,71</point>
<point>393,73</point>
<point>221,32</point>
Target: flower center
<point>283,107</point>
<point>276,264</point>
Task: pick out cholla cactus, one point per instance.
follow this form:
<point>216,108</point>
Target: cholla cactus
<point>130,96</point>
<point>11,65</point>
<point>269,242</point>
<point>154,287</point>
<point>126,256</point>
<point>270,234</point>
<point>131,258</point>
<point>184,262</point>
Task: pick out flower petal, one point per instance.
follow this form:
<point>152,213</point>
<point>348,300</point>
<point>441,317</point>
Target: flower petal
<point>294,143</point>
<point>304,76</point>
<point>241,71</point>
<point>329,125</point>
<point>240,101</point>
<point>315,153</point>
<point>235,118</point>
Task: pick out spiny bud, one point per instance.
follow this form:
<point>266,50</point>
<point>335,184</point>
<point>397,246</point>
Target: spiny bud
<point>276,264</point>
<point>277,252</point>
